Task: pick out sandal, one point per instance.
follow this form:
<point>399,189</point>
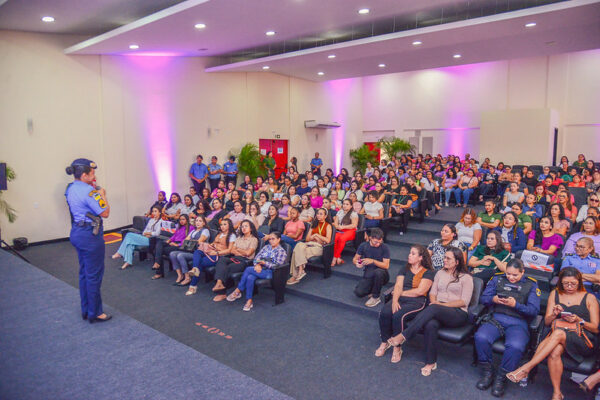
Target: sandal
<point>124,266</point>
<point>427,371</point>
<point>157,276</point>
<point>382,349</point>
<point>392,342</point>
<point>218,287</point>
<point>219,297</point>
<point>191,290</point>
<point>292,281</point>
<point>115,256</point>
<point>234,296</point>
<point>195,272</point>
<point>300,276</point>
<point>513,376</point>
<point>396,355</point>
<point>559,397</point>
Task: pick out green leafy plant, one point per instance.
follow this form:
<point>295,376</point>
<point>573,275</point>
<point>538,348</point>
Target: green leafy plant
<point>392,146</point>
<point>5,208</point>
<point>361,156</point>
<point>249,161</point>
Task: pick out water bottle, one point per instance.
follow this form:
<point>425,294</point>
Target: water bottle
<point>523,382</point>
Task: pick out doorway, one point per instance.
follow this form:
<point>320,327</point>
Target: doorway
<point>279,148</point>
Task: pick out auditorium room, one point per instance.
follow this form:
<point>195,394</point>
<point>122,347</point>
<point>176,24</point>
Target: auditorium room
<point>274,199</point>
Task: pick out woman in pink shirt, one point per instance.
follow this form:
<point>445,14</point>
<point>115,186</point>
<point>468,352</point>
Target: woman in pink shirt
<point>316,201</point>
<point>294,229</point>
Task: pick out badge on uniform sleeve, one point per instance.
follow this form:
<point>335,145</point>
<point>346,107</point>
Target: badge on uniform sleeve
<point>92,193</point>
<point>102,203</point>
<point>538,292</point>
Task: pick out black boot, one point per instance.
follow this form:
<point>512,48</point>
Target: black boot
<point>499,383</point>
<point>487,375</point>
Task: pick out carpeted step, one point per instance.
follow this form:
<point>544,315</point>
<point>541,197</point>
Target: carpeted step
<point>349,270</point>
<point>410,238</point>
<point>335,290</point>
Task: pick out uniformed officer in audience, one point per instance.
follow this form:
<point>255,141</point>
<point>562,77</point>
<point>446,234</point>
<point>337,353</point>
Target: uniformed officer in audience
<point>87,206</point>
<point>214,173</point>
<point>198,174</point>
<point>586,261</point>
<point>230,169</point>
<point>512,300</point>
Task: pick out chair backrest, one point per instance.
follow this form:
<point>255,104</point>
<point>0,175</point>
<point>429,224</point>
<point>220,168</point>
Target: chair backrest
<point>307,228</point>
<point>139,222</point>
<point>477,290</point>
<point>361,222</point>
<point>333,232</point>
<point>386,210</point>
<point>213,235</point>
<point>580,195</point>
<point>288,250</point>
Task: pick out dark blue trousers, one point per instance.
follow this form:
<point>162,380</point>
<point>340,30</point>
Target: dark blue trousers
<point>90,250</point>
<point>516,337</point>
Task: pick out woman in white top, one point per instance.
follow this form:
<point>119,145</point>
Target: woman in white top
<point>356,190</point>
<point>172,209</point>
<point>180,259</point>
<point>592,201</point>
<point>294,198</point>
<point>264,203</point>
<point>373,211</point>
<point>512,195</point>
<point>188,206</point>
<point>255,215</point>
<point>468,230</point>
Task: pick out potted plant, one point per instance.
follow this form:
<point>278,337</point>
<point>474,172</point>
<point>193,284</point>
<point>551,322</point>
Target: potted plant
<point>392,146</point>
<point>361,156</point>
<point>249,161</point>
<point>5,208</point>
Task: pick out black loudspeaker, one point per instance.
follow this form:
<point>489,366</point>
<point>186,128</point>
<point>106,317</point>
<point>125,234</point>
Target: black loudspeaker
<point>20,243</point>
<point>3,181</point>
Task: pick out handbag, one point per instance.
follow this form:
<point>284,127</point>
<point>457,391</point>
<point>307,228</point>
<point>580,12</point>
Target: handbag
<point>206,248</point>
<point>572,327</point>
<point>189,245</point>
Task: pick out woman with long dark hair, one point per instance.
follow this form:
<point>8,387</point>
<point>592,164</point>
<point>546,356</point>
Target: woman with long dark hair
<point>449,298</point>
<point>560,224</point>
<point>489,258</point>
<point>544,240</point>
<point>437,247</point>
<point>133,240</point>
<point>345,221</point>
<point>164,247</point>
<point>408,298</point>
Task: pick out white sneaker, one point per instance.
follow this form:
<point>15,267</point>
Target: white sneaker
<point>447,205</point>
<point>401,233</point>
<point>372,302</point>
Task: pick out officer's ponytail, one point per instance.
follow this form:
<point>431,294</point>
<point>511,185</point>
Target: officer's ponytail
<point>78,170</point>
<point>516,264</point>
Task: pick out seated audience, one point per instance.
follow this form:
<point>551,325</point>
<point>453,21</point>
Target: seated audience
<point>512,301</point>
<point>544,240</point>
<point>188,205</point>
<point>489,259</point>
<point>373,257</point>
<point>449,184</point>
<point>586,261</point>
<point>345,222</point>
<point>593,200</point>
<point>172,210</point>
<point>208,256</point>
<point>316,200</point>
<point>569,209</point>
<point>373,211</point>
<point>524,221</point>
<point>254,215</point>
<point>449,298</point>
<point>319,236</point>
<point>409,297</point>
<point>437,248</point>
<point>263,202</point>
<point>133,240</point>
<point>465,188</point>
<point>307,213</point>
<point>468,231</point>
<point>237,215</point>
<point>489,219</point>
<point>236,258</point>
<point>531,208</point>
<point>215,216</point>
<point>512,196</point>
<point>164,247</point>
<point>271,255</point>
<point>284,207</point>
<point>590,228</point>
<point>180,259</point>
<point>354,188</point>
<point>570,304</point>
<point>559,222</point>
<point>293,230</point>
<point>400,210</point>
<point>160,203</point>
<point>593,186</point>
<point>513,237</point>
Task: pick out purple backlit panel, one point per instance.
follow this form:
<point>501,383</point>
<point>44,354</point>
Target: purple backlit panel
<point>339,93</point>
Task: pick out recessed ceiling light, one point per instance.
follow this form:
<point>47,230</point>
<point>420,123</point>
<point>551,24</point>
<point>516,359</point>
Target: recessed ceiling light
<point>200,26</point>
<point>457,56</point>
<point>331,56</point>
<point>320,73</point>
<point>266,67</point>
<point>417,42</point>
<point>48,19</point>
<point>381,65</point>
<point>530,25</point>
<point>364,11</point>
<point>134,46</point>
<point>270,33</point>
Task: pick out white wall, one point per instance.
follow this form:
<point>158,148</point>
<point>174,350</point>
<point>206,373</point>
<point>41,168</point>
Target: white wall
<point>443,102</point>
<point>142,120</point>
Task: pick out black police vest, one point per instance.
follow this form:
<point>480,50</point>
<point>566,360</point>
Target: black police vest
<point>519,290</point>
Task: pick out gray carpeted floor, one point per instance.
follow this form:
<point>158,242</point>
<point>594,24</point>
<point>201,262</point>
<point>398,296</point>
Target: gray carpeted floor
<point>304,348</point>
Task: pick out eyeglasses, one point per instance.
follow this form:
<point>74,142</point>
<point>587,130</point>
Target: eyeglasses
<point>580,247</point>
<point>570,284</point>
<point>594,200</point>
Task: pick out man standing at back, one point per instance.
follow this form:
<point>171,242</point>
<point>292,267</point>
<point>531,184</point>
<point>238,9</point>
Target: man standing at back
<point>214,171</point>
<point>198,174</point>
<point>230,169</point>
<point>315,165</point>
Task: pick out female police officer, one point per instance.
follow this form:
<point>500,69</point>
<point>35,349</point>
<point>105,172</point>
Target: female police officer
<point>512,300</point>
<point>87,205</point>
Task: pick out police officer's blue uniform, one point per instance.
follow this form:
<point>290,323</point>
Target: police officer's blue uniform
<point>514,321</point>
<point>587,265</point>
<point>82,199</point>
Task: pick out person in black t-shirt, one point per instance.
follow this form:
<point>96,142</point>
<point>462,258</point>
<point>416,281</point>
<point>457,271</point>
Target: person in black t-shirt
<point>408,298</point>
<point>374,256</point>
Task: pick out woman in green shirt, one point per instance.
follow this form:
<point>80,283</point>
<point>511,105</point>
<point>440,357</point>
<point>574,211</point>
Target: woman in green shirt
<point>490,258</point>
<point>269,161</point>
